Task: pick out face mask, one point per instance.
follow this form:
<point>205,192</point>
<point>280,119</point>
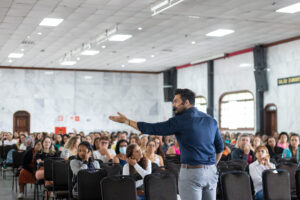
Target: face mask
<point>123,150</point>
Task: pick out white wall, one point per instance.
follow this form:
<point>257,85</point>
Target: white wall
<point>284,61</point>
<point>45,97</point>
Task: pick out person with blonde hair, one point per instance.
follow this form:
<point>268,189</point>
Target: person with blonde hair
<point>70,148</point>
<point>256,169</point>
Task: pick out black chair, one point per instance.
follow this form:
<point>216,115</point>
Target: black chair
<point>241,163</point>
<point>298,183</point>
<point>89,184</point>
<point>70,181</point>
<point>160,186</point>
<point>157,169</point>
<point>241,182</point>
<point>112,169</point>
<point>172,158</point>
<point>118,187</point>
<point>173,168</point>
<point>291,168</point>
<point>17,162</point>
<point>286,160</point>
<point>276,184</point>
<point>60,178</point>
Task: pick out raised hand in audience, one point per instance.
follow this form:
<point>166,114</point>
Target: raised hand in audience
<point>247,149</point>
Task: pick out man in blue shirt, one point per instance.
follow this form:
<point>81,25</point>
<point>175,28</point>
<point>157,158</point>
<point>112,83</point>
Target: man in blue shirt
<point>200,143</point>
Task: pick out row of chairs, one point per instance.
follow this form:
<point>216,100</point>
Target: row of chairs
<point>276,185</point>
<point>113,185</point>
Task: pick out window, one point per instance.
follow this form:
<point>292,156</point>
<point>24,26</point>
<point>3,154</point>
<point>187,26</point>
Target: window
<point>201,104</point>
<point>237,111</point>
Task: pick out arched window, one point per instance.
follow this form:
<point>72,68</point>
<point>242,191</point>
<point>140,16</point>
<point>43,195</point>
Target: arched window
<point>201,103</point>
<point>237,111</point>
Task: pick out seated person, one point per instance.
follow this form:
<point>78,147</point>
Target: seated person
<point>28,169</point>
<point>256,169</point>
<point>274,151</point>
<point>21,144</point>
<point>9,140</point>
<point>137,166</point>
<point>292,151</point>
<point>174,149</point>
<point>102,152</point>
<point>59,143</point>
<point>151,155</point>
<point>243,152</point>
<point>84,160</point>
<point>121,152</point>
<point>70,148</point>
<point>283,140</point>
<point>47,151</point>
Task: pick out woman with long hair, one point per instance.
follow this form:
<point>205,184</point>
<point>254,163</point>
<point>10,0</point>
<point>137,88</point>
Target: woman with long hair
<point>70,148</point>
<point>293,149</point>
<point>151,155</point>
<point>137,166</point>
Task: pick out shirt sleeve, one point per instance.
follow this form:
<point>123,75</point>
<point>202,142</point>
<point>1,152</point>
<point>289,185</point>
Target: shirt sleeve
<point>126,170</point>
<point>144,172</point>
<point>255,174</point>
<point>219,145</point>
<point>161,128</point>
<point>76,166</point>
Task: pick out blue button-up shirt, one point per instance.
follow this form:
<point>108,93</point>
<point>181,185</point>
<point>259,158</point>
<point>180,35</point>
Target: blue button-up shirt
<point>197,134</point>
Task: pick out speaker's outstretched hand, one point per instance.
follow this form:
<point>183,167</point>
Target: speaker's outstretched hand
<point>121,118</point>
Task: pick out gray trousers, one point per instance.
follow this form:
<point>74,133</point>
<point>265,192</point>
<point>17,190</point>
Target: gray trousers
<point>199,183</point>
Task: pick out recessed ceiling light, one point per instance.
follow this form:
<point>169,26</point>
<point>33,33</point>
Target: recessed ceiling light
<point>16,55</point>
<point>152,56</point>
<point>119,37</point>
<point>103,46</point>
<point>140,28</point>
<point>220,33</point>
<point>78,58</point>
<point>28,37</point>
<point>51,22</point>
<point>137,60</point>
<point>290,9</point>
<point>193,42</point>
<point>40,33</point>
<point>49,72</point>
<point>123,65</point>
<point>88,77</point>
<point>10,61</point>
<point>245,65</point>
<point>194,17</point>
<point>22,49</point>
<point>89,52</point>
<point>68,62</point>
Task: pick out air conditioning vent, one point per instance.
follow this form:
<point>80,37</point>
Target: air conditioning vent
<point>27,42</point>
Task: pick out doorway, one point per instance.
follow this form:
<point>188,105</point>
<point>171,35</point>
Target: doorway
<point>270,119</point>
<point>22,121</point>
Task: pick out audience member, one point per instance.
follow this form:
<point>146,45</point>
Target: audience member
<point>243,152</point>
<point>102,152</point>
<point>256,169</point>
<point>58,141</point>
<point>27,172</point>
<point>292,151</point>
<point>151,155</point>
<point>121,152</point>
<point>144,141</point>
<point>84,160</point>
<point>283,140</point>
<point>70,148</point>
<point>174,149</point>
<point>274,151</point>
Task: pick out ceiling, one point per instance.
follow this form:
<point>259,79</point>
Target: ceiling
<point>168,35</point>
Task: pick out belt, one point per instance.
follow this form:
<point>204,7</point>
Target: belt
<point>187,166</point>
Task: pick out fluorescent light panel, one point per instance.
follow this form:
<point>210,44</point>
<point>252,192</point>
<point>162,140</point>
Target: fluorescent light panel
<point>164,5</point>
<point>88,77</point>
<point>68,62</point>
<point>220,33</point>
<point>119,37</point>
<point>16,55</point>
<point>51,22</point>
<point>290,9</point>
<point>137,60</point>
<point>245,65</point>
<point>89,52</point>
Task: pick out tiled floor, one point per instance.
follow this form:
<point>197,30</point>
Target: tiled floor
<point>6,192</point>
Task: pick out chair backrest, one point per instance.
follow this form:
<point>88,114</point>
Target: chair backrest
<point>7,148</point>
<point>60,175</point>
<point>298,182</point>
<point>172,158</point>
<point>118,187</point>
<point>291,168</point>
<point>276,184</point>
<point>241,163</point>
<point>112,169</point>
<point>173,168</point>
<point>48,167</point>
<point>285,160</point>
<point>241,182</point>
<point>89,184</point>
<point>70,181</point>
<point>17,158</point>
<point>160,186</point>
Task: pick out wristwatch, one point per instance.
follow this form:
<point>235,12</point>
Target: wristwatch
<point>127,122</point>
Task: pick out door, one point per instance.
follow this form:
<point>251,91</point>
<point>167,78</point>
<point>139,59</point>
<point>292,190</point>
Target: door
<point>270,119</point>
<point>22,121</point>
